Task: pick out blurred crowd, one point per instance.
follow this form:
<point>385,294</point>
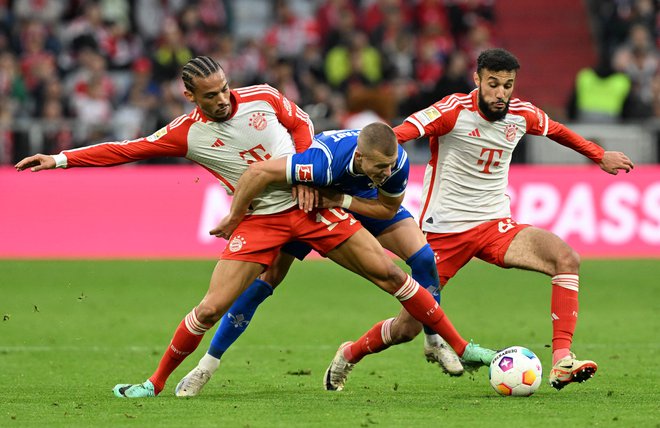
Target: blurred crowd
<point>78,72</point>
<point>104,70</point>
<point>625,83</point>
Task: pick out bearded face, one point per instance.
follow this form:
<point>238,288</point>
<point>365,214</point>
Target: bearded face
<point>495,89</point>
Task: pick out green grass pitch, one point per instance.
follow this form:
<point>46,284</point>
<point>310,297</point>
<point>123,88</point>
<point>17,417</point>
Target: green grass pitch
<point>71,330</point>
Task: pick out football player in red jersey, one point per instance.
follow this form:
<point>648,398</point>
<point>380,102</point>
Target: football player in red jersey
<point>465,210</point>
<point>226,132</point>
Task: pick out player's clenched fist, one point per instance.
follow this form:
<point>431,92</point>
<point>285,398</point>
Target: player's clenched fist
<point>36,163</point>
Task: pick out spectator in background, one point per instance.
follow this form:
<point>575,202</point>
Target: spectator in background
<point>57,134</point>
<point>639,60</point>
<point>120,46</point>
<point>434,45</point>
<point>12,86</point>
<point>454,80</point>
<point>7,138</point>
<point>309,71</point>
<point>150,15</point>
<point>52,90</point>
<point>93,91</point>
<point>329,17</point>
<point>465,15</point>
<point>375,13</point>
<point>37,61</point>
<point>357,64</point>
<point>137,112</point>
<point>477,40</point>
<point>46,11</point>
<point>342,33</point>
<point>395,40</point>
<point>171,53</point>
<point>84,31</point>
<point>289,34</point>
<point>283,79</point>
<point>116,11</point>
<point>431,12</point>
<point>601,94</point>
<point>325,108</point>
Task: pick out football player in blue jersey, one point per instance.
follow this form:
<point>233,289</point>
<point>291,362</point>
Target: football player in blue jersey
<point>367,177</point>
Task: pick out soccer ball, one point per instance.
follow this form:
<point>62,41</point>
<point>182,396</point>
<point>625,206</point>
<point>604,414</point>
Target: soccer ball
<point>515,371</point>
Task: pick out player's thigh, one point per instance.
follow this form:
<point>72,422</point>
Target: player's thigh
<point>404,238</point>
<point>229,279</point>
<point>539,250</point>
<point>278,269</point>
<point>362,254</point>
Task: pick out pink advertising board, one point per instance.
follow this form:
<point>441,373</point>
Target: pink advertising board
<point>166,211</point>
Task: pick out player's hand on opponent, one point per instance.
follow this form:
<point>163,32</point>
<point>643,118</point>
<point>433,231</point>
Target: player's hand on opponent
<point>226,227</point>
<point>36,163</point>
<point>307,196</point>
<point>612,162</point>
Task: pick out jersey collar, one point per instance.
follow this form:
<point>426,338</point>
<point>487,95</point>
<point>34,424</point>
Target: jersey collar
<point>351,163</point>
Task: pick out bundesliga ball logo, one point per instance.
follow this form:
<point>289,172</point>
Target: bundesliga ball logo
<point>515,371</point>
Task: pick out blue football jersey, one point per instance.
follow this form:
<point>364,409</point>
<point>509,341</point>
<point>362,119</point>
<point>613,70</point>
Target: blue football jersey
<point>328,162</point>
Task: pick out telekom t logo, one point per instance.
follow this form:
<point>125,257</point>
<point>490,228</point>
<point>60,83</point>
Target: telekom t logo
<point>490,156</point>
<point>255,154</point>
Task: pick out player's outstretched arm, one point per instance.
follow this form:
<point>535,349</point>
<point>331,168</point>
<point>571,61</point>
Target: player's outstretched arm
<point>612,162</point>
<point>36,163</point>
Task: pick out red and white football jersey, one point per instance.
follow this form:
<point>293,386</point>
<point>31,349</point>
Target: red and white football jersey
<point>466,179</point>
<point>264,125</point>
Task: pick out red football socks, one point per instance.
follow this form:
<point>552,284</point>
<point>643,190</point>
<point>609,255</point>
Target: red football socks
<point>564,309</point>
<point>421,305</point>
<point>377,339</point>
<point>186,338</point>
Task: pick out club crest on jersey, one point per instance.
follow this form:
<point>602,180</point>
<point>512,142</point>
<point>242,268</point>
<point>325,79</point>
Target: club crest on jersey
<point>237,243</point>
<point>510,132</point>
<point>258,121</point>
<point>304,172</point>
<point>156,135</point>
<point>427,116</point>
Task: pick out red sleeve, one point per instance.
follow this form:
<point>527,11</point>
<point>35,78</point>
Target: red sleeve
<point>171,141</point>
<point>295,120</point>
<point>568,138</point>
<point>434,121</point>
<point>538,123</point>
<point>406,132</point>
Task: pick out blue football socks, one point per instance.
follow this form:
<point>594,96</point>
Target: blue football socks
<point>238,317</point>
<point>423,270</point>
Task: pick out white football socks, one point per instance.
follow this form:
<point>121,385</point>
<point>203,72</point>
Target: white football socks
<point>209,363</point>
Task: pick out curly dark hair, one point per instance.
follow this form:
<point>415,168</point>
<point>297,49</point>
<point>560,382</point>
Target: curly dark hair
<point>497,60</point>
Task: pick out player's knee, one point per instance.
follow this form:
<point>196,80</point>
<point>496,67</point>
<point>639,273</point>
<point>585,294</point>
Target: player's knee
<point>568,260</point>
<point>405,332</point>
<point>394,276</point>
<point>208,314</point>
<point>423,267</point>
